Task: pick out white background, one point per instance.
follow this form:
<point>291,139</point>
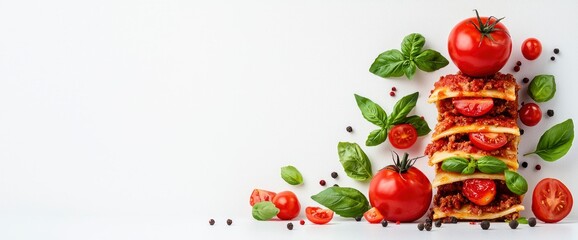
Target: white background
<point>144,119</point>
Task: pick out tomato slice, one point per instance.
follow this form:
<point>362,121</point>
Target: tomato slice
<point>373,215</point>
<point>402,136</point>
<point>318,215</point>
<point>260,195</point>
<point>473,107</point>
<point>551,200</point>
<point>479,191</point>
<point>488,141</point>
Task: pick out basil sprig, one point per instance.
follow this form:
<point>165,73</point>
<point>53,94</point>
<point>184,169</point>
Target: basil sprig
<point>291,175</point>
<point>395,63</point>
<point>542,88</point>
<point>264,210</point>
<point>515,182</point>
<point>376,115</point>
<point>555,142</point>
<point>354,161</point>
<point>344,201</point>
<point>486,164</point>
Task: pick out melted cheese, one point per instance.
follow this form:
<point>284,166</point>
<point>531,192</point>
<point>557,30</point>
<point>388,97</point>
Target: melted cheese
<point>465,214</point>
<point>445,92</point>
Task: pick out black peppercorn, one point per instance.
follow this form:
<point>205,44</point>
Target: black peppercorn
<point>532,222</point>
<point>428,220</point>
<point>524,164</point>
<point>525,80</point>
<point>550,113</point>
<point>212,222</point>
<point>552,58</point>
<point>427,226</point>
<point>384,223</point>
<point>229,222</point>
<point>485,225</point>
<point>518,63</point>
<point>358,218</point>
<point>516,68</point>
<point>438,223</point>
<point>290,226</point>
<point>454,220</point>
<point>420,226</point>
<point>335,185</point>
<point>521,131</point>
<point>556,50</point>
<point>349,129</point>
<point>513,224</point>
<point>334,175</point>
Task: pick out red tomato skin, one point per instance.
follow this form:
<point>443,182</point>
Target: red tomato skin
<point>318,215</point>
<point>531,48</point>
<point>475,59</point>
<point>373,215</point>
<point>479,191</point>
<point>288,205</point>
<point>530,114</point>
<point>259,195</point>
<point>485,142</point>
<point>544,213</point>
<point>473,107</point>
<point>401,197</point>
<point>402,136</point>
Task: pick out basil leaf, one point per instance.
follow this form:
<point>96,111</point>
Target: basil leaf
<point>409,69</point>
<point>388,64</point>
<point>291,175</point>
<point>371,111</point>
<point>555,142</point>
<point>522,220</point>
<point>455,164</point>
<point>354,161</point>
<point>470,169</point>
<point>344,201</point>
<point>264,210</point>
<point>491,165</point>
<point>515,182</point>
<point>430,60</point>
<point>419,124</point>
<point>402,108</point>
<point>376,137</point>
<point>542,88</point>
<point>412,44</point>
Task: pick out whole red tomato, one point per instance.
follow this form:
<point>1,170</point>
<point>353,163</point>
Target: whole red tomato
<point>530,114</point>
<point>400,192</point>
<point>480,46</point>
<point>288,205</point>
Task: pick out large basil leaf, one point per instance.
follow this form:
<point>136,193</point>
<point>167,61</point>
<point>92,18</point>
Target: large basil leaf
<point>388,64</point>
<point>542,88</point>
<point>555,142</point>
<point>354,161</point>
<point>402,108</point>
<point>454,164</point>
<point>490,165</point>
<point>346,202</point>
<point>409,69</point>
<point>371,111</point>
<point>419,124</point>
<point>264,210</point>
<point>376,137</point>
<point>291,175</point>
<point>470,169</point>
<point>412,44</point>
<point>430,60</point>
<point>515,182</point>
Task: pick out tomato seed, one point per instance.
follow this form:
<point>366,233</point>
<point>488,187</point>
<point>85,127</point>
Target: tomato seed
<point>393,89</point>
<point>290,226</point>
<point>485,225</point>
<point>550,113</point>
<point>556,50</point>
<point>349,129</point>
<point>538,167</point>
<point>212,222</point>
<point>302,222</point>
<point>532,222</point>
<point>518,63</point>
<point>552,58</point>
<point>524,164</point>
<point>516,68</point>
<point>525,80</point>
<point>384,223</point>
<point>229,222</point>
<point>392,94</point>
<point>322,182</point>
<point>334,175</point>
<point>420,226</point>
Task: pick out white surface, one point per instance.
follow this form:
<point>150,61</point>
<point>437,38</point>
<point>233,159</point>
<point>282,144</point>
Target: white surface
<point>143,119</point>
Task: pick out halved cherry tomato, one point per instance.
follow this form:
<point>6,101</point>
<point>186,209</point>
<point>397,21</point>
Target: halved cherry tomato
<point>260,195</point>
<point>479,191</point>
<point>551,200</point>
<point>531,48</point>
<point>530,114</point>
<point>373,215</point>
<point>402,136</point>
<point>488,141</point>
<point>318,215</point>
<point>473,107</point>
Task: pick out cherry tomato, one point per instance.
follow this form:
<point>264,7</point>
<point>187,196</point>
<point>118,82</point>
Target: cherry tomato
<point>479,47</point>
<point>479,191</point>
<point>551,200</point>
<point>530,114</point>
<point>473,107</point>
<point>260,195</point>
<point>373,215</point>
<point>402,136</point>
<point>531,48</point>
<point>288,205</point>
<point>488,141</point>
<point>318,215</point>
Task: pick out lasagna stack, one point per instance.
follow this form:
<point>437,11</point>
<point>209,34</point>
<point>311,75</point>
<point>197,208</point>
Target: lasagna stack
<point>451,141</point>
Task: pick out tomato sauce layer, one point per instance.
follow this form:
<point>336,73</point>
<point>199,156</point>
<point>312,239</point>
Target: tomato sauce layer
<point>461,142</point>
<point>501,108</point>
<point>459,82</point>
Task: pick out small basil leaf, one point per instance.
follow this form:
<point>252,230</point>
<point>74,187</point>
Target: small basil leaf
<point>542,88</point>
<point>556,141</point>
<point>402,108</point>
<point>470,169</point>
<point>522,220</point>
<point>455,164</point>
<point>354,161</point>
<point>371,111</point>
<point>419,124</point>
<point>430,60</point>
<point>412,44</point>
<point>344,201</point>
<point>264,210</point>
<point>491,165</point>
<point>388,64</point>
<point>376,137</point>
<point>291,175</point>
<point>409,69</point>
<point>515,182</point>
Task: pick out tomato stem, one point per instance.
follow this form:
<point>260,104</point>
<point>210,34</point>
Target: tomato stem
<point>487,28</point>
<point>404,164</point>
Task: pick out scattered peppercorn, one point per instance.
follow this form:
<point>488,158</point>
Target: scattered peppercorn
<point>556,50</point>
<point>358,218</point>
<point>552,58</point>
<point>438,223</point>
<point>516,68</point>
<point>538,167</point>
<point>428,220</point>
<point>513,224</point>
<point>525,80</point>
<point>302,222</point>
<point>524,164</point>
<point>521,131</point>
<point>349,129</point>
<point>212,222</point>
<point>518,63</point>
<point>420,226</point>
<point>392,93</point>
<point>532,222</point>
<point>290,226</point>
<point>384,223</point>
<point>229,222</point>
<point>335,185</point>
<point>485,225</point>
<point>322,182</point>
<point>427,227</point>
<point>334,175</point>
<point>393,89</point>
<point>550,113</point>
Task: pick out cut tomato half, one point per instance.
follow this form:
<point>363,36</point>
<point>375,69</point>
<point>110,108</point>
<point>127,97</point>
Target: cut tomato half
<point>488,141</point>
<point>551,200</point>
<point>318,215</point>
<point>373,215</point>
<point>260,195</point>
<point>473,107</point>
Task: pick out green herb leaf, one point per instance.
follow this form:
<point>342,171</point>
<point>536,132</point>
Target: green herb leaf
<point>354,161</point>
<point>371,111</point>
<point>491,165</point>
<point>430,60</point>
<point>470,169</point>
<point>412,45</point>
<point>409,69</point>
<point>388,64</point>
<point>455,164</point>
<point>419,124</point>
<point>515,182</point>
<point>555,142</point>
<point>542,88</point>
<point>264,210</point>
<point>344,201</point>
<point>402,108</point>
<point>376,137</point>
<point>522,220</point>
<point>291,175</point>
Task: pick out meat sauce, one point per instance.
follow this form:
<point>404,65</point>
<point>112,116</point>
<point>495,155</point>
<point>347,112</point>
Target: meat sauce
<point>461,142</point>
<point>463,83</point>
<point>501,108</point>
